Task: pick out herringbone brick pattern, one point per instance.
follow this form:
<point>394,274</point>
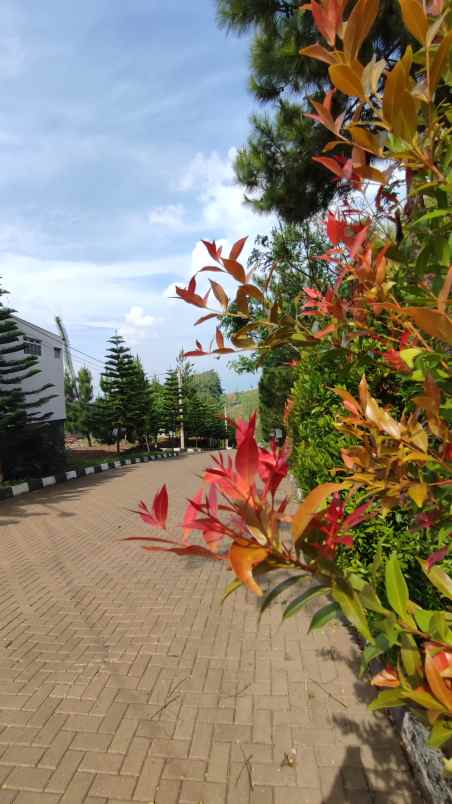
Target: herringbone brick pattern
<point>123,680</point>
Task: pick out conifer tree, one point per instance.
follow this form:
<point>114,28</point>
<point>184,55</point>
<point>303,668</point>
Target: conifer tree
<point>275,167</point>
<point>18,408</point>
<point>79,403</point>
<point>117,384</point>
<point>156,405</point>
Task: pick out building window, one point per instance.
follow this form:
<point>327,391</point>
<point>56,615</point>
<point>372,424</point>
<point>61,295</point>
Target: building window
<point>56,351</point>
<point>32,346</point>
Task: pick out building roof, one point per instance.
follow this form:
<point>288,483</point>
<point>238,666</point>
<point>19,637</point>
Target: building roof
<point>39,330</point>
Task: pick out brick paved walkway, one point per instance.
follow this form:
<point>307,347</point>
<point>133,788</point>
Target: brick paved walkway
<point>122,680</point>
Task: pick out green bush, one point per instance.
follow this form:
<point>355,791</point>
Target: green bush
<point>316,443</point>
<point>317,451</point>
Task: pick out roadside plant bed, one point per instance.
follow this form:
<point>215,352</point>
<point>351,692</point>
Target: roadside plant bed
<point>7,492</point>
<point>385,305</point>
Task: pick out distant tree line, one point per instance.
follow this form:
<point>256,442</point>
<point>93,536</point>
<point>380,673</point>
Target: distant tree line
<point>141,409</point>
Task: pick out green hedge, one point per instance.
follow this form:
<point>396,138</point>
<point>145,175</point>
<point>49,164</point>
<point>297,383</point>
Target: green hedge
<point>317,450</point>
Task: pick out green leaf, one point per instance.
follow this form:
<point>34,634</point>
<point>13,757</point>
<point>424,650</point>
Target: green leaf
<point>439,628</point>
<point>370,652</point>
<point>387,699</point>
<point>409,355</point>
<point>352,607</point>
<point>423,618</point>
<point>231,587</point>
<point>281,587</point>
<point>376,564</point>
<point>324,615</point>
<point>370,599</point>
<point>423,699</point>
<point>396,587</point>
<point>436,213</point>
<point>411,658</point>
<point>300,601</point>
<point>438,578</point>
<point>441,733</point>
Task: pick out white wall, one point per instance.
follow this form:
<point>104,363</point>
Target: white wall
<point>51,369</point>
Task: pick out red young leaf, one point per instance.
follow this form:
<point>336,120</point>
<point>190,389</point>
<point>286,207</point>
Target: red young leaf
<point>236,269</point>
<point>205,318</point>
<point>160,506</point>
<point>211,248</point>
<point>247,459</point>
<point>437,556</point>
<point>191,298</point>
<point>192,285</point>
<point>219,338</point>
<point>236,249</point>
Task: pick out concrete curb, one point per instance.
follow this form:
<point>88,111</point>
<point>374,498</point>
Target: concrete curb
<point>9,492</point>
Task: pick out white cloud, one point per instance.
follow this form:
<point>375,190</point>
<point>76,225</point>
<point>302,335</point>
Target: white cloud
<point>220,210</point>
<point>136,325</point>
<point>171,217</point>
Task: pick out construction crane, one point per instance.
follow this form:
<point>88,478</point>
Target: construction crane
<point>67,354</point>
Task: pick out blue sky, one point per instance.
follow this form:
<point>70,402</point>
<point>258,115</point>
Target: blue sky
<point>118,124</point>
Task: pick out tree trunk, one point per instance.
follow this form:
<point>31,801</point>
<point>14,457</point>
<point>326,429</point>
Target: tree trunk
<point>118,447</point>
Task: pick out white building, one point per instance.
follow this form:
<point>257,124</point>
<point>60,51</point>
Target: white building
<point>48,348</point>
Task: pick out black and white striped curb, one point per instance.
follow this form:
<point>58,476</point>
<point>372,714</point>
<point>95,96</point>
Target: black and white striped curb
<point>8,492</point>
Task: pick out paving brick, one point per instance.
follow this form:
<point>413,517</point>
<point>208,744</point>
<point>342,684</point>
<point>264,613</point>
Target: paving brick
<point>21,755</point>
<point>27,779</point>
<point>184,769</point>
<point>32,798</point>
<point>133,761</point>
<point>149,779</point>
<point>217,770</point>
<point>170,748</point>
<point>77,789</point>
<point>113,786</point>
<point>123,736</point>
<point>90,742</point>
<point>210,792</point>
<point>96,762</point>
<point>202,740</point>
<point>64,772</point>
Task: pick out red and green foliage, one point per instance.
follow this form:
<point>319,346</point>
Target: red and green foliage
<point>387,302</point>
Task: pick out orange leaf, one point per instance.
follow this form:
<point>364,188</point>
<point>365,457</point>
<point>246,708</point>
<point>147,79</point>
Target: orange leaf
<point>440,61</point>
<point>243,559</point>
<point>346,79</point>
<point>310,505</point>
<point>366,140</point>
<point>435,323</point>
<point>318,52</point>
<point>219,293</point>
<point>418,493</point>
<point>436,683</point>
<point>386,678</point>
<point>219,338</point>
<point>415,19</point>
<point>377,415</point>
<point>358,26</point>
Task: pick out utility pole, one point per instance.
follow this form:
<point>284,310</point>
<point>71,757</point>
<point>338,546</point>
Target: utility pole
<point>226,440</point>
<point>181,409</point>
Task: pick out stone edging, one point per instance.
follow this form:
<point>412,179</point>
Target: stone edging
<point>9,492</point>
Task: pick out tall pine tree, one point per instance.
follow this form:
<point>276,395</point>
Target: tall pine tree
<point>117,384</point>
<point>18,408</point>
<point>275,166</point>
